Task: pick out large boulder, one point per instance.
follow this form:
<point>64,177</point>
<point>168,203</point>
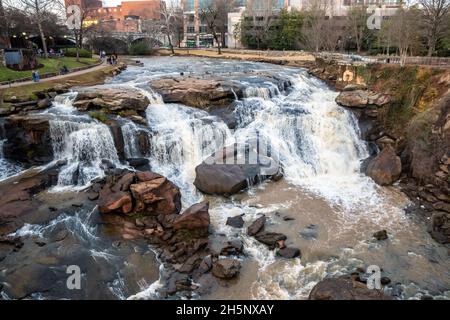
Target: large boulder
<point>194,218</point>
<point>345,288</point>
<point>156,195</point>
<point>17,201</point>
<point>226,268</point>
<point>224,173</point>
<point>386,167</point>
<point>28,139</point>
<point>194,92</point>
<point>440,227</point>
<point>362,99</point>
<point>144,193</point>
<point>113,100</point>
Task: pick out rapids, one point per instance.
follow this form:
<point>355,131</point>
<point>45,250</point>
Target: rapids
<point>335,208</point>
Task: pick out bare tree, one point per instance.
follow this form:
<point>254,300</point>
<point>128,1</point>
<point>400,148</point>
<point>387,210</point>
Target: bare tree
<point>172,20</point>
<point>316,13</point>
<point>405,36</point>
<point>80,31</point>
<point>4,27</point>
<point>434,16</point>
<point>38,10</point>
<point>357,24</point>
<point>215,14</point>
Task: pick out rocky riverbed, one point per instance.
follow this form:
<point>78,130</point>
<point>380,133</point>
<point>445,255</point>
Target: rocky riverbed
<point>210,179</point>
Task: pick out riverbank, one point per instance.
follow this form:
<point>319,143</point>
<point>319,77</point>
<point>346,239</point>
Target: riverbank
<point>50,68</point>
<point>13,99</point>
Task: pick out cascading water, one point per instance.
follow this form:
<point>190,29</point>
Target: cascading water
<point>318,146</point>
<point>84,146</point>
<point>7,168</point>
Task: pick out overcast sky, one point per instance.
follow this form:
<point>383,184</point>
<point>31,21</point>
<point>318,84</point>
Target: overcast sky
<point>117,2</point>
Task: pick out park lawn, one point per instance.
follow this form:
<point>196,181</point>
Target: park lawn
<point>50,65</point>
<point>27,91</point>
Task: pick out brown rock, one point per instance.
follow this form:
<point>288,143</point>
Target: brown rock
<point>156,196</point>
<point>110,201</point>
<point>386,167</point>
<point>226,268</point>
<point>256,226</point>
<point>345,288</point>
<point>195,217</point>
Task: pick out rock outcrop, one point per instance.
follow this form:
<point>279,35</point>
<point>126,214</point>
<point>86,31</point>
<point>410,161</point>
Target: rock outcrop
<point>112,100</point>
<point>28,139</point>
<point>362,99</point>
<point>440,227</point>
<point>146,193</point>
<point>345,288</point>
<point>386,167</point>
<point>222,174</point>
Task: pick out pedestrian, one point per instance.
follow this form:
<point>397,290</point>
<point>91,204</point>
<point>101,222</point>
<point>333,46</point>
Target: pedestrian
<point>33,75</point>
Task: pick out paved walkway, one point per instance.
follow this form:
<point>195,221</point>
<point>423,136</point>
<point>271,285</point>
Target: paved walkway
<point>68,75</point>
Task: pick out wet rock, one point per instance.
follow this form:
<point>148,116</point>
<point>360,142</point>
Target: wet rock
<point>226,268</point>
<point>256,226</point>
<point>17,200</point>
<point>28,139</point>
<point>206,265</point>
<point>440,227</point>
<point>270,239</point>
<point>289,253</point>
<point>141,164</point>
<point>113,100</point>
<point>385,281</point>
<point>117,134</point>
<point>309,233</point>
<point>194,218</point>
<point>219,175</point>
<point>235,222</point>
<point>232,248</point>
<point>110,201</point>
<point>157,195</point>
<point>380,235</point>
<point>386,167</point>
<point>194,92</point>
<point>345,288</point>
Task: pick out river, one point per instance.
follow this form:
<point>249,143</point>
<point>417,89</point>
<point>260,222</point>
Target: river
<point>324,204</point>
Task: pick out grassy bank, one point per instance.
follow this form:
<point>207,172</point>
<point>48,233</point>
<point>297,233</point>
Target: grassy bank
<point>86,79</point>
<point>49,65</point>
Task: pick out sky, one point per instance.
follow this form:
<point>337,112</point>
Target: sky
<point>117,2</point>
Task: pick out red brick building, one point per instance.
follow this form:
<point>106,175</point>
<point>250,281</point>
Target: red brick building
<point>125,17</point>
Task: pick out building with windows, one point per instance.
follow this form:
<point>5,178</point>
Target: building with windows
<point>196,33</point>
<point>125,17</point>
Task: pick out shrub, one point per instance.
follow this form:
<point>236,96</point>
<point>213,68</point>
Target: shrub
<point>140,49</point>
<point>99,115</point>
<point>72,52</point>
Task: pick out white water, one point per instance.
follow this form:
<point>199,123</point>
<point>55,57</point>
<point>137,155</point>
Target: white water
<point>84,146</point>
<point>316,142</point>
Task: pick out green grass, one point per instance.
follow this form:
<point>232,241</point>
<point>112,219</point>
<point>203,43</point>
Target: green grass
<point>50,65</point>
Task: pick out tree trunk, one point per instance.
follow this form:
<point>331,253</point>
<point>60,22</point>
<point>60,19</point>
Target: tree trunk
<point>41,30</point>
<point>5,26</point>
<point>219,49</point>
<point>170,44</point>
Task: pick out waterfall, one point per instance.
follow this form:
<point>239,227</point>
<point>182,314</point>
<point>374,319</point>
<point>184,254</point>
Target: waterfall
<point>85,146</point>
<point>7,168</point>
<point>182,138</point>
<point>132,133</point>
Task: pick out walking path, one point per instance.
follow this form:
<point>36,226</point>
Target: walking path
<point>68,75</point>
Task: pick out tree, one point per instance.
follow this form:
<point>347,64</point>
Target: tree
<point>38,10</point>
<point>4,28</point>
<point>434,16</point>
<point>286,31</point>
<point>405,36</point>
<point>172,21</point>
<point>82,28</point>
<point>316,12</point>
<point>257,23</point>
<point>357,25</point>
<point>215,14</point>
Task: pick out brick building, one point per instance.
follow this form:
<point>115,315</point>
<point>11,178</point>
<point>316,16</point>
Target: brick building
<point>125,17</point>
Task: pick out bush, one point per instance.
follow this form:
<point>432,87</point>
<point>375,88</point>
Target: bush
<point>72,52</point>
<point>140,49</point>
